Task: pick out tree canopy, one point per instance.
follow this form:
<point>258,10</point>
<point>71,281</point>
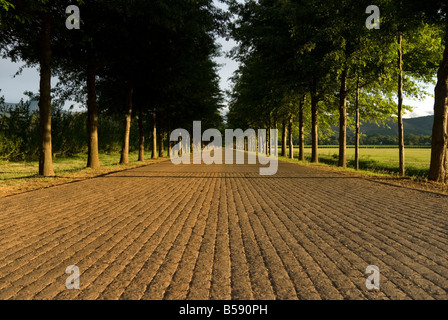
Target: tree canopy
<point>325,50</point>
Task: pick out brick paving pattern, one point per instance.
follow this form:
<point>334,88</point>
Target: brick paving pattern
<point>224,232</point>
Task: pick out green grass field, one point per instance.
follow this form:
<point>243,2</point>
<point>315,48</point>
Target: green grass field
<point>23,176</point>
<point>380,160</point>
<point>62,166</point>
<point>368,147</point>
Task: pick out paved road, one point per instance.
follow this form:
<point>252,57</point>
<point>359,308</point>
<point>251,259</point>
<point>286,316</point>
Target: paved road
<point>224,232</point>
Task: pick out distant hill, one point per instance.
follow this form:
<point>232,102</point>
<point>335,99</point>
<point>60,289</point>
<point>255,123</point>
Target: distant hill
<point>417,126</point>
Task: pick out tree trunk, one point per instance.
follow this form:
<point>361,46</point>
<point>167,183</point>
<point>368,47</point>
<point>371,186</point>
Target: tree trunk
<point>154,135</point>
<point>160,137</point>
<point>314,126</point>
<point>438,170</point>
<point>141,131</point>
<point>268,138</point>
<point>301,130</point>
<point>275,143</point>
<point>343,121</point>
<point>357,126</point>
<point>93,160</point>
<point>127,126</point>
<point>168,135</point>
<point>45,152</point>
<point>291,143</point>
<point>284,138</point>
<point>400,108</point>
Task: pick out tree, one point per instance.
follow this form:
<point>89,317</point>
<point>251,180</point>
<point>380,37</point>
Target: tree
<point>21,21</point>
<point>154,135</point>
<point>271,62</point>
<point>439,166</point>
<point>6,5</point>
<point>301,129</point>
<point>417,54</point>
<point>436,13</point>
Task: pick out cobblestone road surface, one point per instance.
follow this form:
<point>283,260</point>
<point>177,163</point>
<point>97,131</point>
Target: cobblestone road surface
<point>224,232</point>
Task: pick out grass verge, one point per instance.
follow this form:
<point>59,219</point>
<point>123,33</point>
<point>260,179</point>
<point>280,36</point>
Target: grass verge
<point>18,177</point>
<point>419,183</point>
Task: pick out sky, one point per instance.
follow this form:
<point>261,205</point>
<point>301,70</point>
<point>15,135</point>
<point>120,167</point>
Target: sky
<point>12,88</point>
